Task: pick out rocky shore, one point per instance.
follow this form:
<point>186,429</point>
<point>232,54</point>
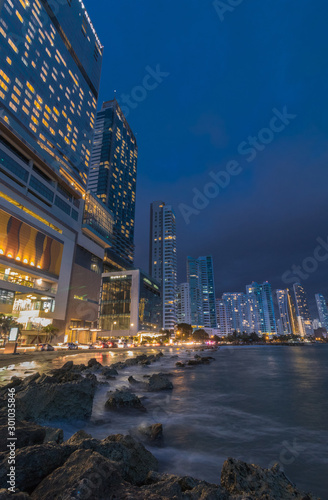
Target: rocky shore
<point>118,467</point>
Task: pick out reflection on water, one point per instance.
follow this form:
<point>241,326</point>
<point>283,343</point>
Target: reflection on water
<point>258,404</point>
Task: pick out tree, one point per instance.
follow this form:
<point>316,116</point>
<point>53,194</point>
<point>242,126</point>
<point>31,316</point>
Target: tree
<point>6,324</point>
<point>184,331</point>
<point>51,332</point>
<point>200,335</point>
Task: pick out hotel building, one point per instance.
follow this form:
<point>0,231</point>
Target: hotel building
<point>53,234</point>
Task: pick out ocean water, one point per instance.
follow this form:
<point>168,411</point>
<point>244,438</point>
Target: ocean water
<point>260,404</point>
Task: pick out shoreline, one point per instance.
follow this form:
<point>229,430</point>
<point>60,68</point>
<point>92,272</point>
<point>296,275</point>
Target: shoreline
<point>140,481</point>
<point>7,360</point>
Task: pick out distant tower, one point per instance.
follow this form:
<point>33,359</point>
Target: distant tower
<point>202,291</point>
<point>183,304</point>
<point>302,310</point>
<point>261,312</point>
<point>163,257</point>
<point>113,177</point>
<point>237,311</point>
<point>224,323</point>
<point>287,316</point>
<point>322,310</point>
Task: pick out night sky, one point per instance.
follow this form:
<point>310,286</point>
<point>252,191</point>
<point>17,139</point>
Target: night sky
<point>220,81</point>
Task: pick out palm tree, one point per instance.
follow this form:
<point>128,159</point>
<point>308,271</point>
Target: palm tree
<point>51,332</point>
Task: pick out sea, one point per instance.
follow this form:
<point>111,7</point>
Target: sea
<point>260,404</point>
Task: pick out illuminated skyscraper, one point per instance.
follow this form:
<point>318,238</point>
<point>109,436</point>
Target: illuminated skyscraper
<point>49,78</point>
<point>113,177</point>
<point>287,316</point>
<point>322,310</point>
<point>52,235</point>
<point>302,310</point>
<point>261,312</point>
<point>183,304</point>
<point>224,324</point>
<point>237,312</point>
<point>200,276</point>
<point>163,258</point>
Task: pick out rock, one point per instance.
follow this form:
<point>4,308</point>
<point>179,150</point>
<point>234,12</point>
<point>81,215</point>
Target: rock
<point>30,379</point>
<point>141,357</point>
<point>159,382</point>
<point>19,495</point>
<point>170,486</point>
<point>34,463</point>
<point>140,385</point>
<point>29,434</point>
<point>131,362</point>
<point>152,434</point>
<point>122,400</point>
<point>67,401</point>
<point>129,456</point>
<point>93,363</point>
<point>53,435</point>
<point>132,459</point>
<point>108,372</point>
<point>118,366</point>
<point>86,475</point>
<point>179,364</point>
<point>245,479</point>
<point>67,366</point>
<point>78,437</point>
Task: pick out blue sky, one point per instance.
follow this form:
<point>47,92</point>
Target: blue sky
<point>223,79</point>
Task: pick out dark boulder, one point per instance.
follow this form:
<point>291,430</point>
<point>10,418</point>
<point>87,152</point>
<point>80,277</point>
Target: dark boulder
<point>123,400</point>
<point>179,364</point>
<point>159,382</point>
<point>150,434</point>
<point>29,434</point>
<point>33,463</point>
<point>240,478</point>
<point>18,495</point>
<point>108,372</point>
<point>93,363</point>
<point>86,475</point>
<point>68,401</point>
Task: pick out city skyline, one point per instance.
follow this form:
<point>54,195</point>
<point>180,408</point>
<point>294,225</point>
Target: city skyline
<point>213,117</point>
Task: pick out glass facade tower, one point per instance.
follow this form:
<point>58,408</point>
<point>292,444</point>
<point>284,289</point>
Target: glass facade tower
<point>50,66</point>
<point>302,310</point>
<point>163,258</point>
<point>113,177</point>
<point>202,291</point>
<point>261,311</point>
<point>322,310</point>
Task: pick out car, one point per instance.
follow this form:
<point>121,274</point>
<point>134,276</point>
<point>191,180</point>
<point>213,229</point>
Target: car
<point>70,346</point>
<point>122,345</point>
<point>131,345</point>
<point>44,347</point>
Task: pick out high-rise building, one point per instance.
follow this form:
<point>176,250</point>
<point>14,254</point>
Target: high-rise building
<point>50,267</point>
<point>163,258</point>
<point>195,291</point>
<point>113,177</point>
<point>236,305</point>
<point>183,304</point>
<point>261,311</point>
<point>322,310</point>
<point>49,79</point>
<point>288,324</point>
<point>224,325</point>
<point>200,276</point>
<point>302,310</point>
